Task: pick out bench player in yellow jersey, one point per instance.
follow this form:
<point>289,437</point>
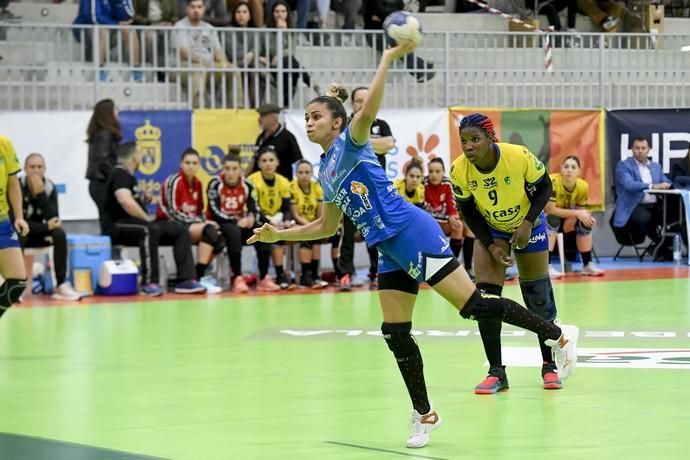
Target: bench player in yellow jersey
<point>411,187</point>
<point>11,259</point>
<point>501,191</point>
<point>566,213</point>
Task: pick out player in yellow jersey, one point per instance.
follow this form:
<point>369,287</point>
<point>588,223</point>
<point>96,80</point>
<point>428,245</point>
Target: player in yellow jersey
<point>411,187</point>
<point>11,259</point>
<point>566,213</point>
<point>272,192</point>
<point>501,191</point>
<point>306,206</point>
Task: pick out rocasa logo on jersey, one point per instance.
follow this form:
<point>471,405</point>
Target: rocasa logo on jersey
<point>490,183</point>
<point>363,192</point>
<point>505,215</point>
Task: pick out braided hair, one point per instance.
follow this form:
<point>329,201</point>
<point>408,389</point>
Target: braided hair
<point>478,120</point>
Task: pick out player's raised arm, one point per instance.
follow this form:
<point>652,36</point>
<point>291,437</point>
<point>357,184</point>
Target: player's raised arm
<point>361,123</point>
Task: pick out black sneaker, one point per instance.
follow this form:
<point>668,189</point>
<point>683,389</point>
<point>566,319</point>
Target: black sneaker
<point>306,280</point>
<point>285,283</point>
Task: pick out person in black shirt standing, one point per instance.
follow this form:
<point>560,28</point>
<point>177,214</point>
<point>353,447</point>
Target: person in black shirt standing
<point>382,141</point>
<point>274,136</point>
<point>126,222</point>
<point>40,203</point>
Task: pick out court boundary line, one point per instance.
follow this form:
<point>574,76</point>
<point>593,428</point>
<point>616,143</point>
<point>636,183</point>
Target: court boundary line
<point>376,449</point>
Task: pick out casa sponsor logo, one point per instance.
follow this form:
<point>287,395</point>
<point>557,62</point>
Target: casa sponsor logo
<point>504,215</point>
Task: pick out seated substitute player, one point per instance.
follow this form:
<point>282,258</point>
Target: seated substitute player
<point>45,227</point>
<point>501,191</point>
<point>182,201</point>
<point>566,213</point>
<point>232,204</point>
<point>355,185</point>
<point>273,199</point>
<point>410,187</point>
<point>439,202</point>
<point>307,206</point>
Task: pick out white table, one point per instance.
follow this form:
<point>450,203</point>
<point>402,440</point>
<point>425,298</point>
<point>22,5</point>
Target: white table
<point>684,210</point>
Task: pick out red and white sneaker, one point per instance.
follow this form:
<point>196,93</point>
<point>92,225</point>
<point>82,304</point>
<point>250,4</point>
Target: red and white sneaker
<point>550,376</point>
<point>422,425</point>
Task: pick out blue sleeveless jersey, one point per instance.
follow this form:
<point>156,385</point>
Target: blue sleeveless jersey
<point>353,179</point>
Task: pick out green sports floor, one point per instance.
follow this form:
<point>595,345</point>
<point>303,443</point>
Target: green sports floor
<point>306,376</point>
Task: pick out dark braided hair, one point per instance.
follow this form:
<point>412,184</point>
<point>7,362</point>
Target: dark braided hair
<point>478,120</point>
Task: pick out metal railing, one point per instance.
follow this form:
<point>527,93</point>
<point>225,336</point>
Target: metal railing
<point>68,67</point>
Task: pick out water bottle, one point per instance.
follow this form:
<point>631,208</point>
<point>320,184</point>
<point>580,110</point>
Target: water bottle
<point>676,249</point>
<point>163,273</point>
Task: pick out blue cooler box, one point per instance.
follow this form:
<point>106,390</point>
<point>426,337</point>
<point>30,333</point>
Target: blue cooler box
<point>85,254</point>
<point>118,277</point>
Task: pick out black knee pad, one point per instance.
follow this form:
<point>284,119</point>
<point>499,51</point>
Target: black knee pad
<point>211,235</point>
<point>538,297</point>
<point>398,280</point>
<point>399,340</point>
<point>10,291</point>
<point>482,306</point>
<point>553,222</point>
<point>488,288</point>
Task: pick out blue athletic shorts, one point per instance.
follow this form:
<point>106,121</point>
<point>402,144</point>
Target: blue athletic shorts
<point>537,241</point>
<point>8,237</point>
<point>420,249</point>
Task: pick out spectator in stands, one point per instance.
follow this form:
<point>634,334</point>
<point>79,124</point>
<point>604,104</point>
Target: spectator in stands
<point>439,202</point>
<point>182,202</point>
<point>242,48</point>
<point>232,204</point>
<point>410,187</point>
<point>349,9</point>
<point>12,267</point>
<point>103,135</point>
<point>215,12</point>
<point>566,213</point>
<point>273,198</point>
<point>6,15</point>
<point>111,13</point>
<point>552,9</point>
<point>382,141</point>
<point>603,13</point>
<point>375,12</point>
<point>306,205</point>
<point>198,47</point>
<point>40,205</point>
<point>127,223</point>
<point>256,9</point>
<point>279,18</point>
<point>635,207</point>
<point>680,172</point>
<point>274,136</point>
<point>160,14</point>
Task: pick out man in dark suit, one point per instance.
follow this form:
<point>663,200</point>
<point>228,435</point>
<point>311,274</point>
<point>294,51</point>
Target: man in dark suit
<point>635,176</point>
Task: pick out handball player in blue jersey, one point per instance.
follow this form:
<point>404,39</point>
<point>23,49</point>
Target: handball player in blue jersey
<point>412,247</point>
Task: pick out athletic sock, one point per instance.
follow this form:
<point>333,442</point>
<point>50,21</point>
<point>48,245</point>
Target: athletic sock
<point>201,270</point>
<point>490,331</point>
<point>315,268</point>
<point>336,269</point>
<point>586,257</point>
<point>455,246</point>
<point>279,271</point>
<point>306,268</point>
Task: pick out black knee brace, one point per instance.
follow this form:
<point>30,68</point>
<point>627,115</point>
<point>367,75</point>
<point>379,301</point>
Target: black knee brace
<point>482,306</point>
<point>211,235</point>
<point>488,288</point>
<point>538,297</point>
<point>399,340</point>
<point>10,291</point>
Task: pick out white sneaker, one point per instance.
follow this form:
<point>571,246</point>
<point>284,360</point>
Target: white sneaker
<point>592,270</point>
<point>65,291</point>
<point>211,285</point>
<point>421,426</point>
<point>555,274</point>
<point>565,350</point>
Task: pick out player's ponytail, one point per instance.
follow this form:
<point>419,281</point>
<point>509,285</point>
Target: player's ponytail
<point>333,99</point>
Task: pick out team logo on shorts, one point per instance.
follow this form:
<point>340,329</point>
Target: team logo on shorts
<point>363,192</point>
<point>414,271</point>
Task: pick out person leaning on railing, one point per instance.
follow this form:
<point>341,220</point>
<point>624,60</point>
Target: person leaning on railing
<point>197,47</point>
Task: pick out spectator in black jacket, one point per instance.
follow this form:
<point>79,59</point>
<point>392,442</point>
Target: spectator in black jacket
<point>103,136</point>
<point>680,172</point>
<point>274,136</point>
<point>40,206</point>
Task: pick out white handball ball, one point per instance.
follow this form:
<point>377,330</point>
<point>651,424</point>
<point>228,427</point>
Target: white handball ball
<point>401,25</point>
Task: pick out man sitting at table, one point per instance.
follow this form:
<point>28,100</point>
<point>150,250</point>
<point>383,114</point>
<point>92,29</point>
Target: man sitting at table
<point>635,208</point>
